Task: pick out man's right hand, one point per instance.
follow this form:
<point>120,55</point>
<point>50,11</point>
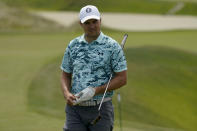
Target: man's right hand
<point>69,98</point>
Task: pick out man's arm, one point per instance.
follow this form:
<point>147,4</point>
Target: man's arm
<point>66,86</point>
<point>119,80</point>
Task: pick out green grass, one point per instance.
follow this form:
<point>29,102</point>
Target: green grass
<point>161,90</point>
<point>189,8</point>
<point>22,55</point>
<point>160,93</point>
<point>132,6</point>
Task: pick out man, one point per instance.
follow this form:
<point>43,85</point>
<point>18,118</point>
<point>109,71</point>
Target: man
<point>88,62</point>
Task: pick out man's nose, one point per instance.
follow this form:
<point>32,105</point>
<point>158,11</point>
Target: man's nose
<point>92,25</point>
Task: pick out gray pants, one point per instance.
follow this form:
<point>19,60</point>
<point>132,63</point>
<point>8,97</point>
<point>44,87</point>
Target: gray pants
<point>78,118</point>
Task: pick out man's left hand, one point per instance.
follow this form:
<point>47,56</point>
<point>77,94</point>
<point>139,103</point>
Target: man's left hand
<point>84,95</point>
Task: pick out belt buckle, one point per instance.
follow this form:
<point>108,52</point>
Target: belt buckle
<point>92,103</point>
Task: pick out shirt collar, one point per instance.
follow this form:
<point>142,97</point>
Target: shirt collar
<point>98,40</point>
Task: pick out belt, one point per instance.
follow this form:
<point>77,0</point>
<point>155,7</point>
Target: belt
<point>94,102</point>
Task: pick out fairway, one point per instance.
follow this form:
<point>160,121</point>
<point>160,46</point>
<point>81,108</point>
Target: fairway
<point>160,94</point>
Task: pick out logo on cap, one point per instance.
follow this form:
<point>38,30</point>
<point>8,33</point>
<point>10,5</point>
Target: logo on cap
<point>88,10</point>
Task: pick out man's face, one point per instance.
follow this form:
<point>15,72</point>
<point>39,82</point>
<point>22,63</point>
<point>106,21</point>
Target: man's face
<point>91,27</point>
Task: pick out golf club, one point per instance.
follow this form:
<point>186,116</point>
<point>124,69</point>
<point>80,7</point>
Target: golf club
<point>118,94</point>
<point>99,115</point>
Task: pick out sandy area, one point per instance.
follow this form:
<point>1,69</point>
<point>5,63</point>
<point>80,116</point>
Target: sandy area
<point>129,22</point>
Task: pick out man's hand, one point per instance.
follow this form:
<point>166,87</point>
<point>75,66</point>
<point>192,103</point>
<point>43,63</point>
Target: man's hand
<point>84,95</point>
<point>70,98</point>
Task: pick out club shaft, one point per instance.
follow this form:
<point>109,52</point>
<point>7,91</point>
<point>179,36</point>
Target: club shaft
<point>105,93</point>
<point>99,116</point>
<point>122,45</point>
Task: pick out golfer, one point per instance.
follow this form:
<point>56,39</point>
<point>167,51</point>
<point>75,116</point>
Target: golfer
<point>88,63</point>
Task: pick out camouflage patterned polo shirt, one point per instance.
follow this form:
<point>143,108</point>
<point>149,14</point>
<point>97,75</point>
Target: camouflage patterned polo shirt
<point>91,64</point>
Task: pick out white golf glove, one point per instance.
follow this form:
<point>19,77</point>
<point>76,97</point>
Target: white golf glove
<point>84,95</point>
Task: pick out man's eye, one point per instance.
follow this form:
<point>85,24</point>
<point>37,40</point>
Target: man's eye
<point>86,23</point>
<point>95,21</point>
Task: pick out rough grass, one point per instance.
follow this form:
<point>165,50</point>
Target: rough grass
<point>132,6</point>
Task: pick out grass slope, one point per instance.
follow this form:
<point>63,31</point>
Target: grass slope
<point>160,93</point>
<point>12,18</point>
<point>160,87</point>
<point>134,6</point>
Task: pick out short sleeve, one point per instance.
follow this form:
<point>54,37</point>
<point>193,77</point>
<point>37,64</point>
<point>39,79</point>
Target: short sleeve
<point>66,65</point>
<point>119,63</point>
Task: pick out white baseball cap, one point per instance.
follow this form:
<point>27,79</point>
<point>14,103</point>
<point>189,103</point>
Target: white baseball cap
<point>89,12</point>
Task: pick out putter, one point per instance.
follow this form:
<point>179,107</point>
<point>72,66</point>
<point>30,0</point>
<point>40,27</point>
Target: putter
<point>99,114</point>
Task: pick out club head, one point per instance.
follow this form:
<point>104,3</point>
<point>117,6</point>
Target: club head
<point>124,41</point>
<point>96,120</point>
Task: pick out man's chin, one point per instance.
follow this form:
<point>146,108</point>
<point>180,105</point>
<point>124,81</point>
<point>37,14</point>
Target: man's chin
<point>93,34</point>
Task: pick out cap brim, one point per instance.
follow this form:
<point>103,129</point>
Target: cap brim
<point>90,17</point>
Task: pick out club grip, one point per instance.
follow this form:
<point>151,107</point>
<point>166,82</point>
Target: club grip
<point>96,120</point>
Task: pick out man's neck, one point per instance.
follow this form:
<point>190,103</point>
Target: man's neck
<point>89,39</point>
